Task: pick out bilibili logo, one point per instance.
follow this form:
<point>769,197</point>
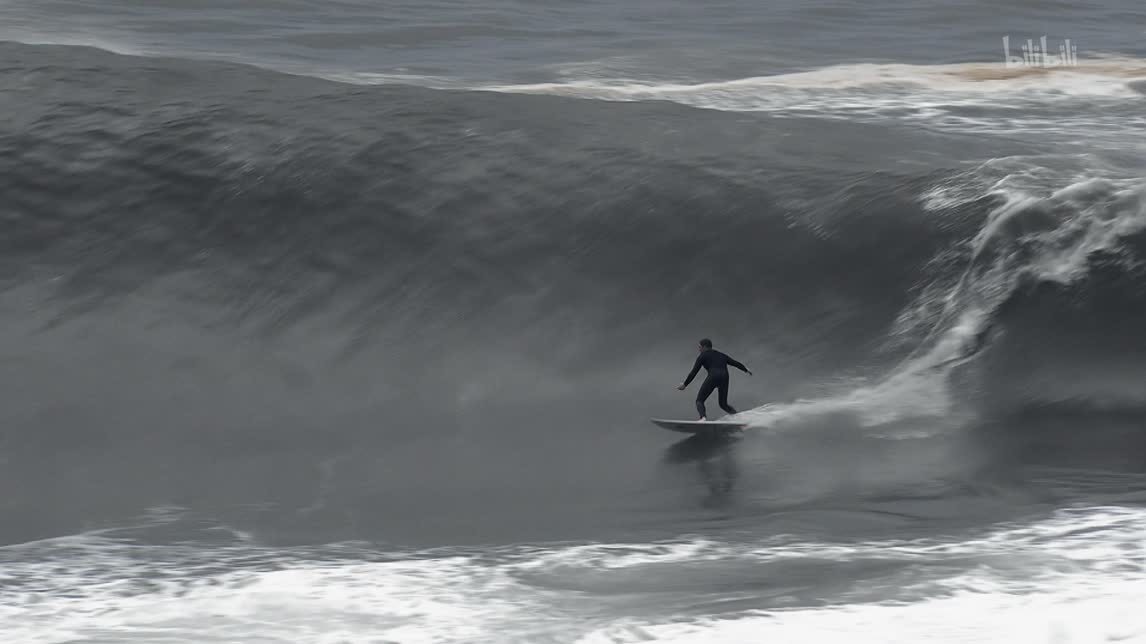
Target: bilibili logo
<point>1037,54</point>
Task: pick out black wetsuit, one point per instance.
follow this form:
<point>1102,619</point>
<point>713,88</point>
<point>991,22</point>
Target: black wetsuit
<point>716,364</point>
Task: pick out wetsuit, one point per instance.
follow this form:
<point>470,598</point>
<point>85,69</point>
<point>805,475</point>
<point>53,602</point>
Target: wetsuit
<point>716,364</point>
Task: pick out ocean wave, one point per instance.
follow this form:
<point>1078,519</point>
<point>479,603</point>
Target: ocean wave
<point>450,223</point>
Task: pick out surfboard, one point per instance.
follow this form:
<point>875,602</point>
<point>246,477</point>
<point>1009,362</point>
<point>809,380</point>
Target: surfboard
<point>699,426</point>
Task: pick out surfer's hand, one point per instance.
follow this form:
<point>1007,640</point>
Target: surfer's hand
<point>680,387</point>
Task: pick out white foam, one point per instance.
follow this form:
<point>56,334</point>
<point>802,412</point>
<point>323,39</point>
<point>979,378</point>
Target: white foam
<point>1080,572</point>
<point>1077,577</point>
<point>420,600</point>
<point>1084,610</point>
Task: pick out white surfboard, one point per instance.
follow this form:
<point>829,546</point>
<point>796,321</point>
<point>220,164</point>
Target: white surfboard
<point>699,426</point>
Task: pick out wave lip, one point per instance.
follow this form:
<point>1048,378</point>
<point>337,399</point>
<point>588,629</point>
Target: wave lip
<point>965,97</point>
<point>1100,77</point>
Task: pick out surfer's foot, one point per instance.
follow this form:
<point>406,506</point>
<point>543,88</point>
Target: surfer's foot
<point>702,419</point>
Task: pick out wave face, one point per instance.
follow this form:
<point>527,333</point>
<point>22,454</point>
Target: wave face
<point>372,351</point>
<point>417,224</point>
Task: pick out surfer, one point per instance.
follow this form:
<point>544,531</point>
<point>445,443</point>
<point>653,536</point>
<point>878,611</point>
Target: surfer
<point>716,364</point>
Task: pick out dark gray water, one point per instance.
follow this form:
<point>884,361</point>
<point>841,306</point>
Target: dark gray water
<point>342,322</point>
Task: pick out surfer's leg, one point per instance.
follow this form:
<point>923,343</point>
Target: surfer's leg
<point>703,394</point>
<point>722,396</point>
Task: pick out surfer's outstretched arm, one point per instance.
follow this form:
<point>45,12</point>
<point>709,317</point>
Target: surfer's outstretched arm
<point>732,361</point>
<point>691,374</point>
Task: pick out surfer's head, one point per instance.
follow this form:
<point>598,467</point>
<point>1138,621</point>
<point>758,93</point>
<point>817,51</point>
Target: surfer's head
<point>705,343</point>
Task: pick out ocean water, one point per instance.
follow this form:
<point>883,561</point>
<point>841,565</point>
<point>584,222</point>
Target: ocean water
<point>341,322</point>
